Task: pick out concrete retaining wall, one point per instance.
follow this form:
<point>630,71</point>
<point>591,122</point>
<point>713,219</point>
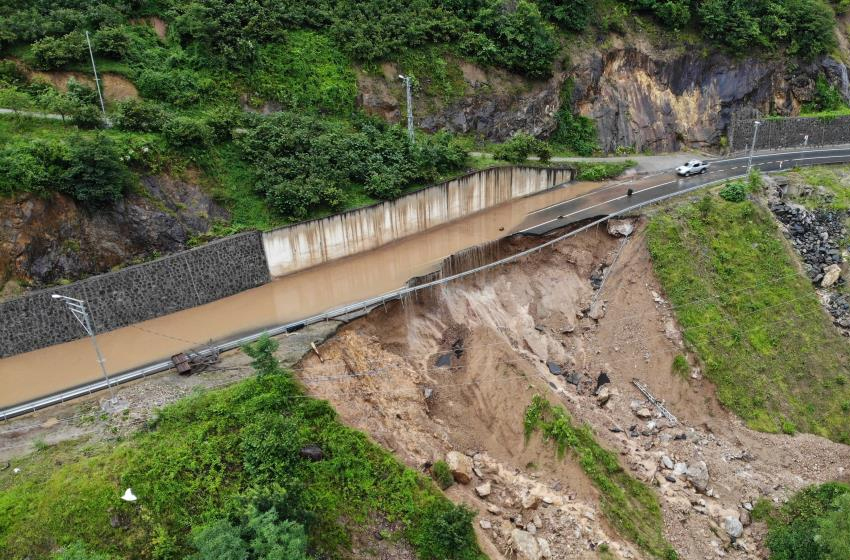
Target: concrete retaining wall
<point>790,132</point>
<point>138,293</point>
<point>294,248</point>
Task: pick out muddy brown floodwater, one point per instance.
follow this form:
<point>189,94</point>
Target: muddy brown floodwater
<point>288,299</point>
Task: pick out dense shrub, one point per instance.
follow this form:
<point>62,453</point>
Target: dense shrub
<point>574,132</point>
<point>736,191</point>
<point>139,116</point>
<point>260,536</point>
<point>113,42</point>
<point>11,74</point>
<point>826,98</point>
<point>305,71</point>
<point>88,168</point>
<point>572,15</point>
<point>302,161</point>
<point>55,52</point>
<point>804,25</point>
<point>187,132</point>
<point>813,525</point>
<point>442,474</point>
<point>520,147</point>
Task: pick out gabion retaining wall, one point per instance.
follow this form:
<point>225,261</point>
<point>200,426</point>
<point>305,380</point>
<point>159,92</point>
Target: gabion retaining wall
<point>790,132</point>
<point>187,279</point>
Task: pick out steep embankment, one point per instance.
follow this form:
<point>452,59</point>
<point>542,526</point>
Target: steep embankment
<point>456,371</point>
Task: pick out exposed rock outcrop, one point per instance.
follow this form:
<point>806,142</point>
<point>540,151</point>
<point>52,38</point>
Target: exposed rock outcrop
<point>639,96</point>
<point>46,240</point>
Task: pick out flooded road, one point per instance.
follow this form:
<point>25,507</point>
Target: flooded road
<point>288,299</point>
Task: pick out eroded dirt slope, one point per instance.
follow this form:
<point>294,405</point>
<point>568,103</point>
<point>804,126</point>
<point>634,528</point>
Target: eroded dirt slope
<point>454,371</point>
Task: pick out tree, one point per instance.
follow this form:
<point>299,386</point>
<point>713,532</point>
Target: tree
<point>262,351</point>
<point>96,174</point>
<point>14,99</point>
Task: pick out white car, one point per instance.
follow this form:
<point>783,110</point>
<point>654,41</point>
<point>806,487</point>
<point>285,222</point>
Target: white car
<point>692,168</point>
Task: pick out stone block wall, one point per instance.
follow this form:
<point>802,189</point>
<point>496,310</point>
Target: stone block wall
<point>187,279</point>
<point>790,132</point>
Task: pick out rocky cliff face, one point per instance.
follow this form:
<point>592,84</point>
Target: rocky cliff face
<point>662,102</point>
<point>47,240</point>
<point>640,96</point>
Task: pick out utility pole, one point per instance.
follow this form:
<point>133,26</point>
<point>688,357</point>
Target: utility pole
<point>77,307</point>
<point>407,85</point>
<point>753,145</point>
<point>96,79</point>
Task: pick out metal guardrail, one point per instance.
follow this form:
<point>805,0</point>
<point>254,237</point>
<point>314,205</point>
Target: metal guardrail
<point>348,311</point>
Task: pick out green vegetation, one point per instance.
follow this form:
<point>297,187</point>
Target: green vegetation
<point>600,171</point>
<point>753,320</point>
<point>630,506</point>
<point>303,162</point>
<point>520,147</point>
<point>442,474</point>
<point>223,471</point>
<point>813,525</point>
<point>680,365</point>
<point>834,178</point>
<point>828,100</point>
<point>575,133</point>
<point>734,191</point>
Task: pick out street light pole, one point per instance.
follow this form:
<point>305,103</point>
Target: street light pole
<point>81,314</point>
<point>96,79</point>
<point>753,146</point>
<point>409,94</point>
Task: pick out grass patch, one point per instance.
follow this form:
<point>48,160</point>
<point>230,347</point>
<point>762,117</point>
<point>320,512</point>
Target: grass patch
<point>630,506</point>
<point>207,455</point>
<point>600,171</point>
<point>754,321</point>
<point>680,365</point>
<point>834,178</point>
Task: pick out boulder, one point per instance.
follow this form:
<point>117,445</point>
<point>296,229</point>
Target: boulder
<point>485,524</point>
<point>597,310</point>
<point>733,526</point>
<point>620,228</point>
<point>830,275</point>
<point>643,412</point>
<point>667,462</point>
<point>602,396</point>
<point>543,545</point>
<point>483,490</point>
<point>312,452</point>
<point>525,545</point>
<point>460,465</point>
<point>697,475</point>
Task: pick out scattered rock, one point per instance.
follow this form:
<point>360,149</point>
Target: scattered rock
<point>530,501</point>
<point>494,509</point>
<point>667,462</point>
<point>428,392</point>
<point>531,528</point>
<point>460,465</point>
<point>554,368</point>
<point>485,524</point>
<point>745,517</point>
<point>483,490</point>
<point>597,310</point>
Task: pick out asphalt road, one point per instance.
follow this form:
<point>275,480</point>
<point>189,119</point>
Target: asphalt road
<point>613,198</point>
